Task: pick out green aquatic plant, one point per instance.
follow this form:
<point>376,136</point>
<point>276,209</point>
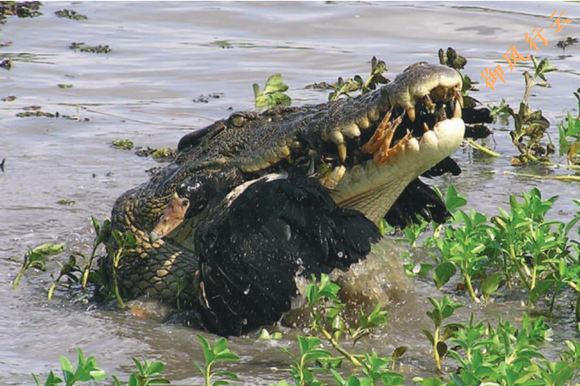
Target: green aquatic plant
<point>356,84</point>
<point>123,144</point>
<point>273,94</point>
<point>70,14</point>
<point>70,270</point>
<point>21,9</point>
<point>36,258</point>
<point>505,356</point>
<point>517,247</point>
<point>530,127</point>
<point>86,371</point>
<point>569,135</point>
<point>82,47</point>
<point>441,311</point>
<point>148,373</point>
<point>123,243</point>
<point>65,201</point>
<point>214,355</point>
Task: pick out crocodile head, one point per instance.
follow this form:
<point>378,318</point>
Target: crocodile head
<point>365,152</point>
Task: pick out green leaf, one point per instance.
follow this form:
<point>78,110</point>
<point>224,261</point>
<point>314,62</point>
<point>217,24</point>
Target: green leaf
<point>49,249</point>
<point>227,356</point>
<point>540,289</point>
<point>275,84</point>
<point>315,355</point>
<point>491,283</point>
<point>453,201</point>
<point>429,381</point>
<point>220,345</point>
<point>399,351</point>
<point>443,273</point>
<point>155,367</point>
<point>133,381</point>
<point>337,377</point>
<point>139,366</point>
<point>429,336</point>
<point>257,90</point>
<point>199,367</point>
<point>67,368</point>
<point>442,349</point>
<point>281,100</point>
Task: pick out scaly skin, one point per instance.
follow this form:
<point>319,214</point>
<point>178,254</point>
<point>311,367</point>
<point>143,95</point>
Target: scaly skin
<point>249,145</point>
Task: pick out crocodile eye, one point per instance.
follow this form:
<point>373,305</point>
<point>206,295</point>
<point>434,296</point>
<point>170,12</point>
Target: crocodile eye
<point>185,203</point>
<point>238,121</point>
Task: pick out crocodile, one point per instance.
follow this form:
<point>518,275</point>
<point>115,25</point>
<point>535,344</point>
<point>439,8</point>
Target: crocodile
<point>256,200</point>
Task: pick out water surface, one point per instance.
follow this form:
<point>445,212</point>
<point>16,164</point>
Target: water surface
<point>165,55</point>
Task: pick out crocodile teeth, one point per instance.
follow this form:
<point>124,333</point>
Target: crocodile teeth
<point>374,115</point>
<point>341,151</point>
<point>351,131</point>
<point>428,102</point>
<point>425,127</point>
<point>331,180</point>
<point>338,138</point>
<point>411,113</point>
<point>459,96</point>
<point>457,111</point>
<point>384,106</point>
<point>285,151</point>
<point>363,123</point>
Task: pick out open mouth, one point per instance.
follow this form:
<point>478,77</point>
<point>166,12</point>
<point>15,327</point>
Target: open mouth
<point>399,125</point>
<point>416,130</point>
<point>423,121</point>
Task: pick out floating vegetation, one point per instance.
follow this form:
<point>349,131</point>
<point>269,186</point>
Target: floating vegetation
<point>10,98</point>
<point>530,126</point>
<point>61,85</point>
<point>20,9</point>
<point>569,41</point>
<point>569,135</point>
<point>355,84</point>
<point>273,94</point>
<point>123,144</point>
<point>82,47</point>
<point>36,258</point>
<point>35,112</point>
<point>222,44</point>
<point>64,201</point>
<point>162,155</point>
<point>205,98</point>
<point>70,14</point>
<point>6,64</point>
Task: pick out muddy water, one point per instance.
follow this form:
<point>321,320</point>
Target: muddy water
<point>163,57</point>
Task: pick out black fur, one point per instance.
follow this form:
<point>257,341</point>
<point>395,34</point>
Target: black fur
<point>447,165</point>
<point>417,201</point>
<point>251,251</point>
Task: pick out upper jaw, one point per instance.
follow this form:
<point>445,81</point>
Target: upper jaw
<point>421,126</point>
<point>419,80</point>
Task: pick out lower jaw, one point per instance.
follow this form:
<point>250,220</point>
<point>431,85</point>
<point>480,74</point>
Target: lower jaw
<point>372,189</point>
